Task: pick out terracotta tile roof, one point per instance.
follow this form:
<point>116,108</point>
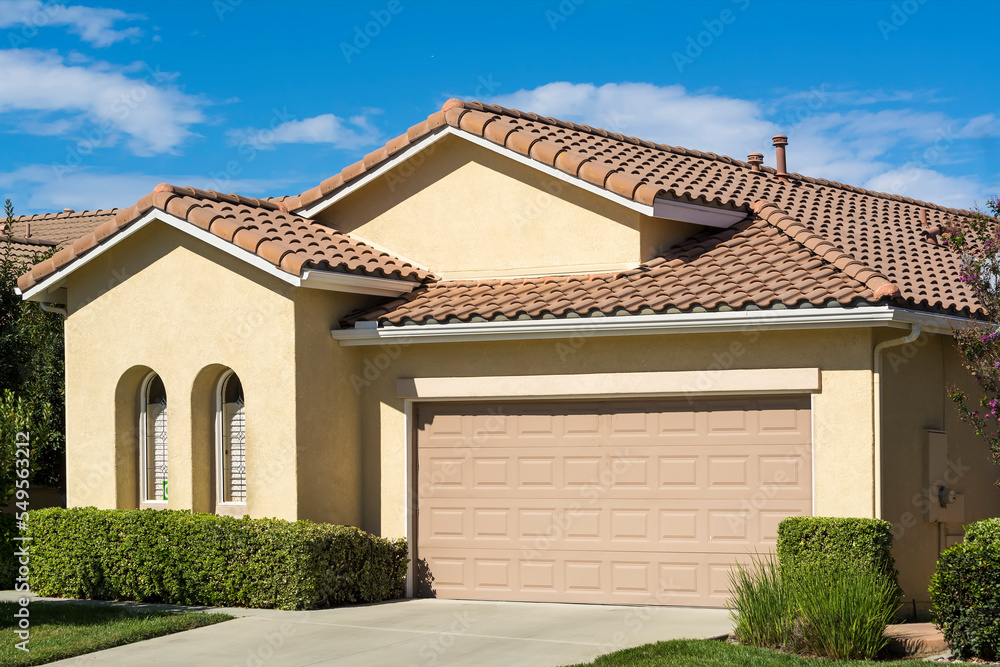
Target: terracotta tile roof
<point>266,228</point>
<point>61,228</point>
<point>881,231</point>
<point>767,261</point>
<point>832,243</point>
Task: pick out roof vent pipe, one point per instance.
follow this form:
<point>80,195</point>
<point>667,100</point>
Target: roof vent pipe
<point>27,230</point>
<point>779,141</point>
<point>755,160</point>
<point>68,210</point>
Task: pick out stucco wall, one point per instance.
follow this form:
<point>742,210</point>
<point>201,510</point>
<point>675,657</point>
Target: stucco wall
<point>164,301</point>
<point>915,380</point>
<point>327,410</point>
<point>464,211</point>
<point>843,450</point>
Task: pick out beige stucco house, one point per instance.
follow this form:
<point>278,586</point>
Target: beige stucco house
<point>566,364</point>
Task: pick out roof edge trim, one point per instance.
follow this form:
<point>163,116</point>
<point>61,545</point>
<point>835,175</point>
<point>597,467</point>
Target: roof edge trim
<point>52,281</point>
<point>749,322</point>
<point>424,142</point>
<point>448,131</point>
<point>662,207</point>
<point>349,282</point>
<point>46,290</point>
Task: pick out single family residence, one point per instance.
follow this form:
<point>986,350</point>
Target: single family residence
<point>566,364</point>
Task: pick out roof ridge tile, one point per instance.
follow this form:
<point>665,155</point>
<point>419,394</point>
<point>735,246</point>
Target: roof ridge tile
<point>879,285</point>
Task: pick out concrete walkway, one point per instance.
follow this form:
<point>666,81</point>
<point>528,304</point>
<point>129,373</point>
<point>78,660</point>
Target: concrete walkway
<point>415,633</point>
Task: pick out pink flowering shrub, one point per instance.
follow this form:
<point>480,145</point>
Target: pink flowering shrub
<point>978,242</point>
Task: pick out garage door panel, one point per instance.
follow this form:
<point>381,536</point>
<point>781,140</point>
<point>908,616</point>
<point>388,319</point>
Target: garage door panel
<point>662,524</point>
<point>692,579</point>
<point>631,502</point>
<point>776,471</point>
<point>522,425</point>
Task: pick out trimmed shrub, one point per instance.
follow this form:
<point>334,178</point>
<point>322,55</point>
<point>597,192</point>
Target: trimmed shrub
<point>986,531</point>
<point>835,542</point>
<point>8,563</point>
<point>184,558</point>
<point>965,592</point>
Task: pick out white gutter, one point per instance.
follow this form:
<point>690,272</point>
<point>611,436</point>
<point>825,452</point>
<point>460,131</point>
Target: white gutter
<point>49,308</point>
<point>877,408</point>
<point>368,333</point>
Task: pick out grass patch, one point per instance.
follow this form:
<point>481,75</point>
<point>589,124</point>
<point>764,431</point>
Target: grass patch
<point>62,630</point>
<point>704,653</point>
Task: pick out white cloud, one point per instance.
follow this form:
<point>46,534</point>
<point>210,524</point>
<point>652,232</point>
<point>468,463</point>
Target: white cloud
<point>42,188</point>
<point>983,126</point>
<point>94,25</point>
<point>351,133</point>
<point>664,114</point>
<point>829,135</point>
<point>104,101</point>
<point>929,185</point>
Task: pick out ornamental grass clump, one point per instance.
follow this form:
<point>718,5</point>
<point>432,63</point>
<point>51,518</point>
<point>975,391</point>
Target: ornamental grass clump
<point>842,612</point>
<point>838,612</point>
<point>761,604</point>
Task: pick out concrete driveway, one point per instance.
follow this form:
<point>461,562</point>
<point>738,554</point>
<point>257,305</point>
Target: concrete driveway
<point>416,633</point>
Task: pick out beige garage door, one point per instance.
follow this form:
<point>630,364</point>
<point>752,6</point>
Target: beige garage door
<point>618,502</point>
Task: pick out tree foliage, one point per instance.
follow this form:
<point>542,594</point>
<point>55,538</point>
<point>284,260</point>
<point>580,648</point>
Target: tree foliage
<point>977,241</point>
<point>32,391</point>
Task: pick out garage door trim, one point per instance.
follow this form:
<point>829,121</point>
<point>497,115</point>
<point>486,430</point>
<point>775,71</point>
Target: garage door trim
<point>619,385</point>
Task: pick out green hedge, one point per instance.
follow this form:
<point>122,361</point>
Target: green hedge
<point>8,564</point>
<point>184,558</point>
<point>965,592</point>
<point>865,543</point>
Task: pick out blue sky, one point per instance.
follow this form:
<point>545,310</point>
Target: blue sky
<point>101,101</point>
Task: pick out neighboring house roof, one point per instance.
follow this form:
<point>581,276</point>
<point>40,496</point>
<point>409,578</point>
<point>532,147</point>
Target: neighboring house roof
<point>26,251</point>
<point>287,241</point>
<point>60,228</point>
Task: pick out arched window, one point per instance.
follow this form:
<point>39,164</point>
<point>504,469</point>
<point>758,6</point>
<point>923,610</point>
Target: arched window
<point>153,440</point>
<point>230,438</point>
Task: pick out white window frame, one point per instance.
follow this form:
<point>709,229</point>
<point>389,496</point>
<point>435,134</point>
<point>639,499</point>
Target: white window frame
<point>143,445</point>
<point>222,505</point>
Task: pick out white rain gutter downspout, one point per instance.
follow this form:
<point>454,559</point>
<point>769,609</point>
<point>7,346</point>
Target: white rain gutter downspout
<point>48,308</point>
<point>877,408</point>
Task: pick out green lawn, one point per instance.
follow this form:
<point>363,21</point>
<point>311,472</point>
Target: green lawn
<point>691,653</point>
<point>63,629</point>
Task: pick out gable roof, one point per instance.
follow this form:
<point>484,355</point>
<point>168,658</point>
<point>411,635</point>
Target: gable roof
<point>887,234</point>
<point>265,228</point>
